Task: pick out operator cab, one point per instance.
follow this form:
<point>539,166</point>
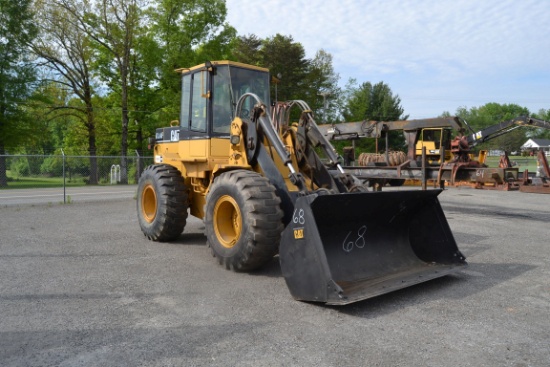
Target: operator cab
<point>434,140</point>
<point>210,93</point>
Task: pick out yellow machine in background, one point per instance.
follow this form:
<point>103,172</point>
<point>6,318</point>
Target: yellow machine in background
<point>434,140</point>
<point>261,188</point>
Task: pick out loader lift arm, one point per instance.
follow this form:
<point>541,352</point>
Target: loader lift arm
<point>505,127</point>
<point>328,176</point>
<point>461,145</point>
<point>261,125</point>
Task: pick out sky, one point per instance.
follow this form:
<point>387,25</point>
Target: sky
<point>436,55</point>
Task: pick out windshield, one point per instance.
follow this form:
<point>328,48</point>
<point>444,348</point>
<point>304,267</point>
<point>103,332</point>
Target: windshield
<point>249,81</point>
<point>230,83</point>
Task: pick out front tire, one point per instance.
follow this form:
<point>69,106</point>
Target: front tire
<point>243,220</point>
<point>162,202</point>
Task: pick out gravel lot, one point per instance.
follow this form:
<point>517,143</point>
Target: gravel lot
<point>81,286</point>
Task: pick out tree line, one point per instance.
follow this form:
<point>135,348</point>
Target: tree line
<point>97,76</point>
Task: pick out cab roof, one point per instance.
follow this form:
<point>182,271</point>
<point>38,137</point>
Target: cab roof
<point>220,63</point>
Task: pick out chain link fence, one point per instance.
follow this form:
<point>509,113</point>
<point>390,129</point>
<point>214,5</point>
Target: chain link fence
<point>38,171</point>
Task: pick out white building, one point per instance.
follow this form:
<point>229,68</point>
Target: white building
<point>536,144</point>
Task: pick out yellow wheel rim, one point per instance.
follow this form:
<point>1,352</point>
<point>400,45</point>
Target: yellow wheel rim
<point>227,221</point>
<point>149,203</point>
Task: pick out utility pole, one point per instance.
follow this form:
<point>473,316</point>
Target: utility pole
<point>276,81</point>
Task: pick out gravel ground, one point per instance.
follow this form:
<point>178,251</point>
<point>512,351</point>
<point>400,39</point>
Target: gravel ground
<point>81,286</point>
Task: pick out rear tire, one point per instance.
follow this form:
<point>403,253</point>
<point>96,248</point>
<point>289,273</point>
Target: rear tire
<point>162,202</point>
<point>243,220</point>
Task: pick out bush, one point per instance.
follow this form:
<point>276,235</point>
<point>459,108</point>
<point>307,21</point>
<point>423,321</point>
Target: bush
<point>52,166</point>
<point>20,167</point>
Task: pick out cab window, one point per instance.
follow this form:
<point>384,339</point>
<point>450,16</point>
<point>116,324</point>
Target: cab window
<point>249,81</point>
<point>199,97</point>
<point>222,106</point>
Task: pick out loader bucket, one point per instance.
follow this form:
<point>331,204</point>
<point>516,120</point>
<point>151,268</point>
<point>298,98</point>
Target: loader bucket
<point>343,248</point>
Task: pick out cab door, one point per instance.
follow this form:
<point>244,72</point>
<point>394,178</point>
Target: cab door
<point>194,116</point>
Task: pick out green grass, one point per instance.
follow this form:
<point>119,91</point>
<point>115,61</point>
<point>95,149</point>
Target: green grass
<point>40,182</point>
<point>523,163</point>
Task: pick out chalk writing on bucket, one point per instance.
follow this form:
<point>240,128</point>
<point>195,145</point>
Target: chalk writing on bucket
<point>355,240</point>
<point>298,216</point>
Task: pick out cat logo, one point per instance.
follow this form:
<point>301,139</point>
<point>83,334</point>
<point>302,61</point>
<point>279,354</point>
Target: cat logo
<point>174,135</point>
<point>298,233</point>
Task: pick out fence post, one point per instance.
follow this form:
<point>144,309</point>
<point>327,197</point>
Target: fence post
<point>64,188</point>
<point>138,166</point>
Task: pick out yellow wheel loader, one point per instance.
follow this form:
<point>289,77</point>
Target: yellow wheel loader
<point>265,186</point>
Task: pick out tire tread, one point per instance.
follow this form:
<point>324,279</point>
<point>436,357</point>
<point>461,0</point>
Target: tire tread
<point>264,215</point>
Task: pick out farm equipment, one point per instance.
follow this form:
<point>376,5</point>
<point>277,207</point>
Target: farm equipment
<point>445,159</point>
<point>434,134</point>
<point>540,183</point>
<point>264,186</point>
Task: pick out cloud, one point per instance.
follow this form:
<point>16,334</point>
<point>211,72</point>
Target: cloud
<point>471,46</point>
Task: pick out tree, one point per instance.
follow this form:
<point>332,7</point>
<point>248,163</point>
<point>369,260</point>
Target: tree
<point>182,33</point>
<point>178,32</point>
<point>17,30</point>
<point>246,49</point>
<point>285,58</point>
<point>68,53</point>
<point>311,80</point>
<point>323,92</point>
<point>50,121</point>
<point>493,113</point>
<point>373,102</point>
<point>172,34</point>
<point>115,26</point>
<point>543,114</point>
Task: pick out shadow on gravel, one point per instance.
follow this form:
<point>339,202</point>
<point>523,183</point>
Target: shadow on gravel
<point>463,237</point>
<point>497,211</point>
<point>191,239</point>
<point>470,244</point>
<point>272,269</point>
<point>476,278</point>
